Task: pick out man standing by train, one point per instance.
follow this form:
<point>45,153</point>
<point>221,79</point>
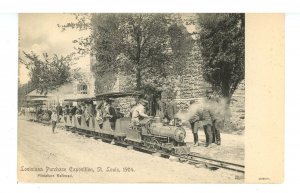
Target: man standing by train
<point>160,108</point>
<point>195,121</point>
<point>171,110</point>
<point>59,111</point>
<point>54,119</point>
<point>139,112</point>
<point>207,126</point>
<point>217,116</point>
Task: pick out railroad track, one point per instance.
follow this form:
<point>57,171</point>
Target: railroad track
<point>196,158</point>
<point>193,158</point>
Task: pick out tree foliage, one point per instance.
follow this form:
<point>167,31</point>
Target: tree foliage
<point>47,73</point>
<point>150,46</point>
<point>83,23</point>
<point>23,90</point>
<point>181,44</point>
<point>142,39</point>
<point>222,45</point>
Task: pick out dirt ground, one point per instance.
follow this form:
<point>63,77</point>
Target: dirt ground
<point>69,157</point>
<point>231,149</point>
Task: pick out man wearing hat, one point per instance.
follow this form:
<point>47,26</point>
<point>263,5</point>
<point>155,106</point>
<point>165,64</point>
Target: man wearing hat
<point>139,112</point>
<point>218,117</point>
<point>171,110</point>
<point>207,121</point>
<point>195,121</point>
<point>207,126</point>
<point>54,119</point>
<point>109,113</point>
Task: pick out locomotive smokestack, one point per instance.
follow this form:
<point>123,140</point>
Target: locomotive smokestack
<point>157,119</point>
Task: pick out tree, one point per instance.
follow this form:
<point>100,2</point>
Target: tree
<point>181,44</point>
<point>47,73</point>
<point>83,44</point>
<point>139,44</point>
<point>222,45</point>
<point>23,90</point>
<point>141,38</point>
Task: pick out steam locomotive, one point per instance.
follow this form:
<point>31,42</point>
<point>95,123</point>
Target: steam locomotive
<point>151,133</point>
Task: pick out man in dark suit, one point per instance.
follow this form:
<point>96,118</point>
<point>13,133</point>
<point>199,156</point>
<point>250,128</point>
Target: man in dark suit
<point>59,109</point>
<point>195,123</point>
<point>207,119</point>
<point>171,110</point>
<point>160,108</point>
<point>207,126</point>
<point>218,117</point>
<point>110,113</point>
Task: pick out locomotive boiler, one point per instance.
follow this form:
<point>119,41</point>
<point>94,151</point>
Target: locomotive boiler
<point>160,136</point>
<point>174,132</point>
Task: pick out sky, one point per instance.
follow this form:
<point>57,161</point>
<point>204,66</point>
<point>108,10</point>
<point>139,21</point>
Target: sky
<point>39,33</point>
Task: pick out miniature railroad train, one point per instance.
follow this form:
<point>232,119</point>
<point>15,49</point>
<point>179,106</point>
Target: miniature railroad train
<point>151,133</point>
<point>37,116</point>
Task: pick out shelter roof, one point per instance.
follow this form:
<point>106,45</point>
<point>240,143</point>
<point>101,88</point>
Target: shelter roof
<point>118,94</point>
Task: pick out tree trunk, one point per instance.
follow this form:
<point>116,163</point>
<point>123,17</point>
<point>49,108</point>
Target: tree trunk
<point>138,56</point>
<point>138,79</point>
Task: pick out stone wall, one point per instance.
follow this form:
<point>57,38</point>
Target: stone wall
<point>117,82</point>
<point>192,84</point>
<point>237,107</point>
<point>124,104</point>
<point>109,82</point>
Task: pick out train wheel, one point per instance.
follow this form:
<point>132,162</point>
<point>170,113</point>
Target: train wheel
<point>120,138</point>
<point>156,145</point>
<point>172,152</point>
<point>147,143</point>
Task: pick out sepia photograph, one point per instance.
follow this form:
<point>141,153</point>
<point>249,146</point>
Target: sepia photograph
<point>131,98</point>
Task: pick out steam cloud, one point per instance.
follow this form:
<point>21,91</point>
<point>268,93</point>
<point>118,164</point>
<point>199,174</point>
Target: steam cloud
<point>217,107</point>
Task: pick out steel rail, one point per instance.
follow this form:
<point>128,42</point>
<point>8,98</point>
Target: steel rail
<point>194,154</point>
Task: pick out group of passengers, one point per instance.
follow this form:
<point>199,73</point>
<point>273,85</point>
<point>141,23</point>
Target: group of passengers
<point>105,111</point>
<point>40,113</point>
<point>210,119</point>
<point>84,110</point>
